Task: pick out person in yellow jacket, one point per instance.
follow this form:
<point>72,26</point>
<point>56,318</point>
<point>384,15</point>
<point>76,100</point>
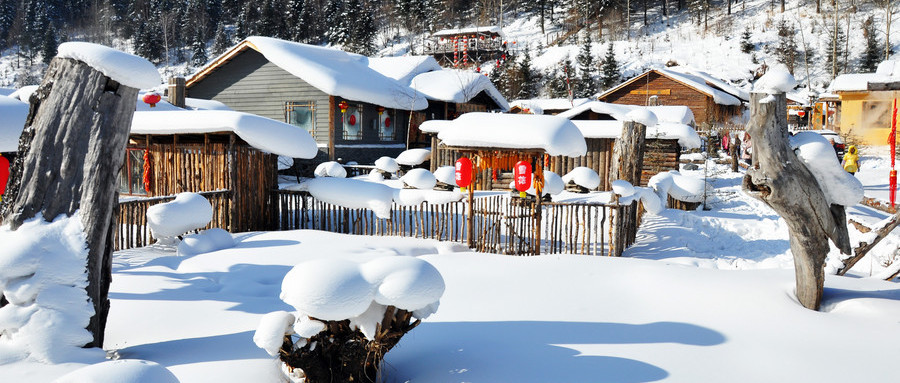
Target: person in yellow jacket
<point>851,160</point>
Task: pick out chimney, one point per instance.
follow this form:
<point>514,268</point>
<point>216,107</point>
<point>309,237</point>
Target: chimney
<point>176,91</point>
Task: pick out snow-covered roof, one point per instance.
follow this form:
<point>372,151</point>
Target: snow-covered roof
<point>539,105</point>
<point>457,86</point>
<point>743,95</point>
<point>333,71</point>
<point>127,69</point>
<point>555,135</point>
<point>889,68</point>
<point>404,68</point>
<point>262,133</point>
<point>664,113</point>
<point>459,31</point>
<point>434,126</point>
<point>201,104</point>
<point>888,71</point>
<point>685,134</point>
<point>698,83</point>
<point>14,113</point>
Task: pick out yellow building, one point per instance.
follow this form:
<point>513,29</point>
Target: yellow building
<point>867,103</point>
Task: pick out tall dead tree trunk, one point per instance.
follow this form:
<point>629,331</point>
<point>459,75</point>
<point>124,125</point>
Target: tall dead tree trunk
<point>71,151</point>
<point>628,153</point>
<point>780,179</point>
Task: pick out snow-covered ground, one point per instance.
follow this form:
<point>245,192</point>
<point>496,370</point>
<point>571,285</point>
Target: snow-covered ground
<point>702,296</point>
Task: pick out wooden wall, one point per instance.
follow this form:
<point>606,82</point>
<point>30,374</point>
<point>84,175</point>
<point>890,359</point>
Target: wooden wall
<point>598,157</point>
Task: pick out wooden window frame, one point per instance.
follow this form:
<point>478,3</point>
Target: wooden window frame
<point>289,107</point>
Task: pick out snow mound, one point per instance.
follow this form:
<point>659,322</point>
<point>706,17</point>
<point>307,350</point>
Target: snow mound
<point>187,212</point>
<point>414,157</point>
<point>650,200</point>
<point>352,193</point>
<point>776,80</point>
<point>553,184</point>
<point>446,174</point>
<point>24,93</point>
<point>555,135</point>
<point>817,154</point>
<point>43,276</point>
<point>330,169</point>
<point>584,177</point>
<point>686,135</point>
<point>680,187</point>
<point>622,188</point>
<point>412,197</point>
<point>387,164</point>
<point>126,69</point>
<point>270,332</point>
<point>642,116</point>
<point>327,288</point>
<point>120,371</point>
<point>205,241</point>
<point>419,179</point>
<point>407,283</point>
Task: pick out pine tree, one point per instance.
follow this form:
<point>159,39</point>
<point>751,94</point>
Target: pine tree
<point>338,31</point>
<point>362,28</point>
<point>222,41</point>
<point>198,48</point>
<point>49,44</point>
<point>786,50</point>
<point>873,53</point>
<point>609,69</point>
<point>834,58</point>
<point>529,79</point>
<point>559,82</point>
<point>500,77</point>
<point>746,45</point>
<point>7,18</point>
<point>585,86</point>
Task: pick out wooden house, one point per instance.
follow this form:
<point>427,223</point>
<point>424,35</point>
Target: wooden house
<point>352,111</point>
<point>714,102</point>
<point>866,103</point>
<point>465,47</point>
<point>175,151</point>
<point>449,92</point>
<point>601,124</point>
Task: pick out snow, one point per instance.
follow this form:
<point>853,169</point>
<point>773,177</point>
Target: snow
<point>205,241</point>
<point>622,188</point>
<point>584,177</point>
<point>446,174</point>
<point>557,136</point>
<point>460,31</point>
<point>457,86</point>
<point>387,164</point>
<point>43,275</point>
<point>540,105</point>
<point>261,133</point>
<point>553,184</point>
<point>817,154</point>
<point>776,80</point>
<point>419,179</point>
<point>201,104</point>
<point>338,73</point>
<point>408,283</point>
<point>664,113</point>
<point>126,69</point>
<point>641,116</point>
<point>682,188</point>
<point>715,81</point>
<point>330,169</point>
<point>404,68</point>
<point>269,334</point>
<point>120,371</point>
<point>24,93</point>
<point>887,71</point>
<point>415,197</point>
<point>351,193</point>
<point>328,289</point>
<point>719,96</point>
<point>435,126</point>
<point>414,157</point>
<point>686,135</point>
<point>14,113</point>
<point>187,212</point>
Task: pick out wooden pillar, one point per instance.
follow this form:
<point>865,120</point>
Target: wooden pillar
<point>232,184</point>
<point>628,153</point>
<point>176,91</point>
<point>779,178</point>
<point>72,149</point>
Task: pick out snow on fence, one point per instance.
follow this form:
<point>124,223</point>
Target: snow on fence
<point>501,225</point>
<point>131,219</point>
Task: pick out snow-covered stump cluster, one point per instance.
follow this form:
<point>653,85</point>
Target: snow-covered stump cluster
<point>348,316</point>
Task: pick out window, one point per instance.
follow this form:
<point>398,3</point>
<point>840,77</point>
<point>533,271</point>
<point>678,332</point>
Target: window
<point>386,123</point>
<point>301,115</point>
<point>131,178</point>
<point>352,122</point>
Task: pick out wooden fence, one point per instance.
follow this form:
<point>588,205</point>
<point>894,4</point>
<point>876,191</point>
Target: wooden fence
<point>131,227</point>
<point>500,224</point>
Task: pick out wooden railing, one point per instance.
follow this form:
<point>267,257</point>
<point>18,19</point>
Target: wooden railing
<point>132,230</point>
<point>500,224</point>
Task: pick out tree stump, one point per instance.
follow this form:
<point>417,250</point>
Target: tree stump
<point>628,153</point>
<point>71,150</point>
<point>781,180</point>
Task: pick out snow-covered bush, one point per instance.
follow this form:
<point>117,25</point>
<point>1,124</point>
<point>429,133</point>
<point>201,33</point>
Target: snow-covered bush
<point>205,242</point>
<point>553,184</point>
<point>682,188</point>
<point>584,177</point>
<point>120,371</point>
<point>189,211</point>
<point>330,169</point>
<point>348,314</point>
<point>419,179</point>
<point>414,157</point>
<point>445,176</point>
<point>622,188</point>
<point>43,275</point>
<point>387,165</point>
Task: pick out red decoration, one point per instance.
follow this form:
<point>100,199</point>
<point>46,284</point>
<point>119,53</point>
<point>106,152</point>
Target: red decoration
<point>463,172</point>
<point>387,122</point>
<point>147,170</point>
<point>343,105</point>
<point>152,98</point>
<point>801,113</point>
<point>4,175</point>
<point>892,140</point>
<point>522,175</point>
<point>380,110</point>
<point>352,120</point>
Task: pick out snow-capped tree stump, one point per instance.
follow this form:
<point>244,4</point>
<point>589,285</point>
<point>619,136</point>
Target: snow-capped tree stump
<point>342,354</point>
<point>628,153</point>
<point>781,180</point>
<point>71,150</point>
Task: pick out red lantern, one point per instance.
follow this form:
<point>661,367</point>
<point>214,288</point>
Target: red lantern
<point>387,122</point>
<point>343,105</point>
<point>463,172</point>
<point>801,113</point>
<point>380,110</point>
<point>522,176</point>
<point>352,120</point>
<point>152,98</point>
